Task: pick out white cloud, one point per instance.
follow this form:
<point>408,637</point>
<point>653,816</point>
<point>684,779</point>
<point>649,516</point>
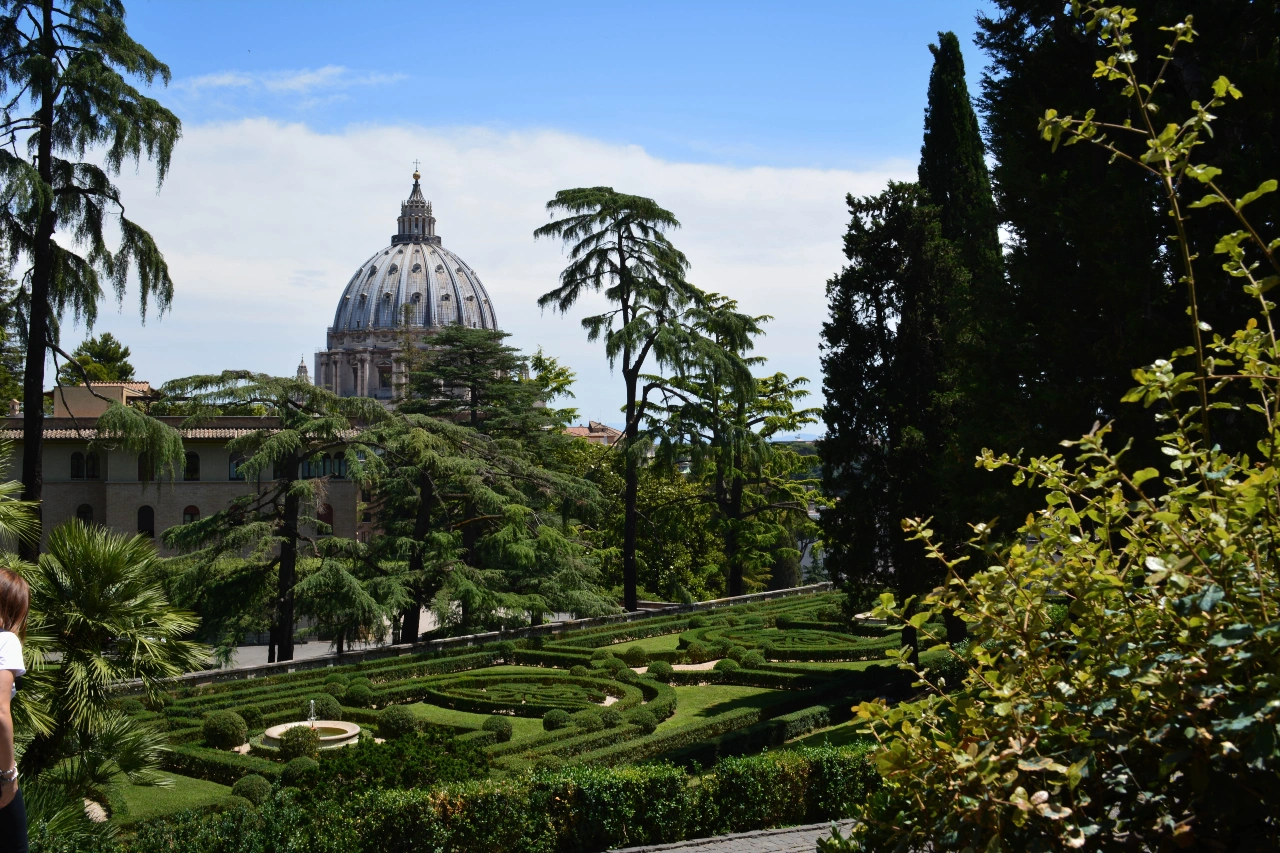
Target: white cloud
<point>305,81</point>
<point>263,223</point>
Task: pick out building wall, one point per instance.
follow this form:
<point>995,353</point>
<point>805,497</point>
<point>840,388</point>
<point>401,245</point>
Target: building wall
<point>117,496</point>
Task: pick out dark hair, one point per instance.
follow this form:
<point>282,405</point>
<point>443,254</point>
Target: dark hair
<point>15,599</point>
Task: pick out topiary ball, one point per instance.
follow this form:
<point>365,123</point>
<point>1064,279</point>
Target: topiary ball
<point>556,718</point>
<point>359,679</point>
<point>225,730</point>
<point>588,721</point>
<point>636,656</point>
<point>506,648</point>
<point>661,670</point>
<point>732,621</point>
<point>644,719</point>
<point>337,678</point>
<point>253,788</point>
<point>252,716</point>
<point>727,665</point>
<point>299,742</point>
<point>299,772</point>
<point>327,707</point>
<point>501,728</point>
<point>337,691</point>
<point>359,696</point>
<point>753,660</point>
<point>626,676</point>
<point>396,722</point>
<point>736,653</point>
<point>579,671</point>
<point>611,717</point>
<point>697,622</point>
<point>612,664</point>
<point>600,654</point>
<point>698,653</point>
<point>132,706</point>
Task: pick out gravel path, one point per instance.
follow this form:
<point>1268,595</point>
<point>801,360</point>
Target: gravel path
<point>791,839</point>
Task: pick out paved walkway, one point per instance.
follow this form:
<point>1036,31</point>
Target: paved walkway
<point>791,839</point>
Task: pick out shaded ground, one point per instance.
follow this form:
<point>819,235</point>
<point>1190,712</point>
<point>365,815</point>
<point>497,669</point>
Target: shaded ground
<point>136,802</point>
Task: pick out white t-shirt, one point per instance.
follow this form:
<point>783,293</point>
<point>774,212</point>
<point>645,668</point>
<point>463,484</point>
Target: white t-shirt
<point>11,656</point>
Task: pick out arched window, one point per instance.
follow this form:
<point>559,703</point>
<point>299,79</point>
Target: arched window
<point>147,521</point>
<point>77,465</point>
<point>192,472</point>
<point>190,514</point>
<point>339,465</point>
<point>84,512</point>
<point>233,467</point>
<point>92,470</point>
<point>326,465</point>
<point>325,513</point>
<point>146,470</point>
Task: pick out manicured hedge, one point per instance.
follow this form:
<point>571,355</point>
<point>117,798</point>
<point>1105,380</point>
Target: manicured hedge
<point>225,768</point>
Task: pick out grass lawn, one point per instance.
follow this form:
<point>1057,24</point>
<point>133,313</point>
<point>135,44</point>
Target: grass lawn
<point>661,643</point>
<point>522,728</point>
<point>136,802</point>
<point>845,734</point>
<point>708,700</point>
<point>835,665</point>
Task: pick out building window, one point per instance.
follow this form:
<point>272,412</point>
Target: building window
<point>192,472</point>
<point>190,514</point>
<point>147,521</point>
<point>91,468</point>
<point>77,465</point>
<point>339,465</point>
<point>146,470</point>
<point>234,464</point>
<point>84,512</point>
<point>325,514</point>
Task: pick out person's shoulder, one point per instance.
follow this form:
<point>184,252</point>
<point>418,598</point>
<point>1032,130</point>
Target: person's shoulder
<point>8,638</point>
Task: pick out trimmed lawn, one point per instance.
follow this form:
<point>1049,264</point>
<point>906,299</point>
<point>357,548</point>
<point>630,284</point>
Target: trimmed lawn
<point>136,802</point>
<point>708,700</point>
<point>522,728</point>
<point>845,734</point>
<point>835,665</point>
<point>661,643</point>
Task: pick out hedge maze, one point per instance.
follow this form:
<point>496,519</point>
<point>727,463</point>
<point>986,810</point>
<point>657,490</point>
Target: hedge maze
<point>608,695</point>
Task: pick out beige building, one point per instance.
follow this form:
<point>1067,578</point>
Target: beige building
<point>114,487</point>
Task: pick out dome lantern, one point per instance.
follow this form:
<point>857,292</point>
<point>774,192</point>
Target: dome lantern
<point>416,224</point>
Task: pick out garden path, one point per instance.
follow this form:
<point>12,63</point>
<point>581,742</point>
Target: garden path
<point>791,839</point>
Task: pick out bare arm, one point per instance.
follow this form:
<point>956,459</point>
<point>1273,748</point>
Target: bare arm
<point>9,789</point>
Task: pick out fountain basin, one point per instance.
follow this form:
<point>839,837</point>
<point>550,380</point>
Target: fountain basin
<point>333,733</point>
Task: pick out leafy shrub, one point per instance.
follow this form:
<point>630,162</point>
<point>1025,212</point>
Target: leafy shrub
<point>698,653</point>
<point>610,717</point>
<point>335,690</point>
<point>612,664</point>
<point>1148,721</point>
<point>299,742</point>
<point>643,718</point>
<point>358,681</point>
<point>579,671</point>
<point>252,716</point>
<point>337,678</point>
<point>753,660</point>
<point>636,656</point>
<point>359,696</point>
<point>697,622</point>
<point>327,707</point>
<point>736,653</point>
<point>626,675</point>
<point>727,665</point>
<point>501,728</point>
<point>421,760</point>
<point>588,721</point>
<point>732,621</point>
<point>225,730</point>
<point>132,706</point>
<point>506,648</point>
<point>299,772</point>
<point>396,722</point>
<point>601,654</point>
<point>253,788</point>
<point>555,719</point>
<point>661,670</point>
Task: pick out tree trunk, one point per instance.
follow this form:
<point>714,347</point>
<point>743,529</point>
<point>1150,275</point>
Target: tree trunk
<point>271,644</point>
<point>288,574</point>
<point>341,637</point>
<point>910,637</point>
<point>411,622</point>
<point>631,492</point>
<point>535,618</point>
<point>957,628</point>
<point>38,310</point>
<point>411,626</point>
<point>732,544</point>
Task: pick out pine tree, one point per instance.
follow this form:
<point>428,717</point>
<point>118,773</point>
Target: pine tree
<point>69,61</point>
<point>100,359</point>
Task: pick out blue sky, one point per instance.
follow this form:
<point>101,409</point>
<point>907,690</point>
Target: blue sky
<point>754,118</point>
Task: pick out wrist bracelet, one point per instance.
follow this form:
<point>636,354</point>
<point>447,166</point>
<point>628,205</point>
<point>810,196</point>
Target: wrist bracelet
<point>10,775</point>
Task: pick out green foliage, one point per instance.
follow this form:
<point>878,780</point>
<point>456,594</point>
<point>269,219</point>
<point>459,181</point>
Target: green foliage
<point>225,730</point>
<point>579,671</point>
<point>1147,719</point>
<point>101,359</point>
<point>300,741</point>
<point>727,665</point>
<point>337,678</point>
<point>416,760</point>
<point>501,728</point>
<point>697,621</point>
<point>326,707</point>
<point>300,772</point>
<point>396,722</point>
<point>753,660</point>
<point>252,716</point>
<point>337,691</point>
<point>661,670</point>
<point>611,718</point>
<point>359,696</point>
<point>636,656</point>
<point>588,721</point>
<point>556,718</point>
<point>643,719</point>
<point>253,788</point>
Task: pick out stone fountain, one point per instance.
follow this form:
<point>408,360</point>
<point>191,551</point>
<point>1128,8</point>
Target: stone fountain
<point>333,733</point>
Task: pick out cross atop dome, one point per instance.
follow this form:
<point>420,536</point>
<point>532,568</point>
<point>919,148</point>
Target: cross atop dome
<point>416,224</point>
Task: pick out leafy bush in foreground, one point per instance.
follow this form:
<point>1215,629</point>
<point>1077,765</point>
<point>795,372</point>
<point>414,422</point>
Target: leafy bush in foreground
<point>299,742</point>
<point>396,722</point>
<point>225,730</point>
<point>253,788</point>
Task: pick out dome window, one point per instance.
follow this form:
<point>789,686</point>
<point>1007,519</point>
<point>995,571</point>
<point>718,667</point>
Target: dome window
<point>471,299</point>
<point>444,297</point>
<point>439,267</point>
<point>416,298</point>
<point>372,271</point>
<point>416,268</point>
<point>393,269</point>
